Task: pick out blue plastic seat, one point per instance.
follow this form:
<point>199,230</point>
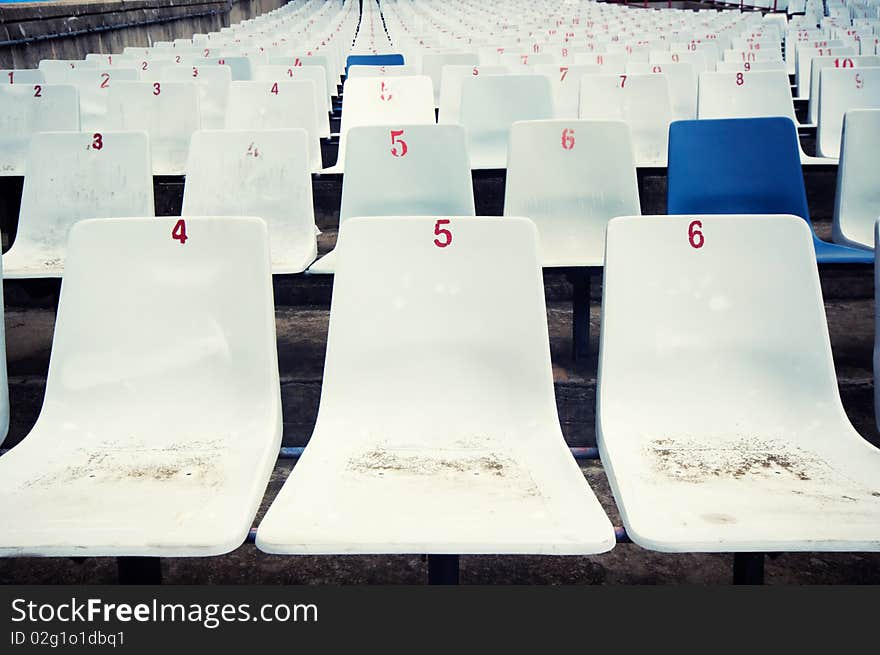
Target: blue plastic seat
<point>744,166</point>
<point>373,60</point>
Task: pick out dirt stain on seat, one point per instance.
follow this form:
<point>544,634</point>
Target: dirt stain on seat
<point>379,459</point>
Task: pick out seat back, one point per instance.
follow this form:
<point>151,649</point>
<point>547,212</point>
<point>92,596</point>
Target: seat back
<point>450,88</point>
<point>857,198</point>
<point>745,95</point>
<point>433,63</point>
<point>841,90</point>
<point>394,59</point>
<point>832,62</point>
<point>566,84</point>
<point>93,87</point>
<point>213,83</point>
<point>682,85</point>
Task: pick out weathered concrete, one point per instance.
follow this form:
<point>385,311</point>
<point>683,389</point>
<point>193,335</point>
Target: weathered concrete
<point>30,32</point>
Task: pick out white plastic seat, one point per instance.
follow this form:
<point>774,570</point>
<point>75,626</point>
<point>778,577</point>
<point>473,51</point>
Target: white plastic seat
<point>276,105</point>
<point>55,70</point>
<point>241,68</point>
<point>311,60</point>
<point>695,59</point>
<point>566,84</point>
<point>74,176</point>
<point>805,57</point>
<point>463,325</point>
<point>161,420</point>
<point>842,90</point>
<point>517,60</point>
<point>571,177</point>
<point>406,100</point>
<point>404,170</point>
<point>167,111</point>
<point>273,73</point>
<point>490,104</point>
<point>719,420</point>
<point>213,83</point>
<point>682,85</point>
<point>433,63</point>
<point>611,62</point>
<point>93,87</point>
<point>818,64</point>
<point>741,94</point>
<point>28,109</point>
<point>22,76</point>
<point>263,173</point>
<point>857,199</point>
<point>641,101</point>
<point>749,66</point>
<point>450,88</point>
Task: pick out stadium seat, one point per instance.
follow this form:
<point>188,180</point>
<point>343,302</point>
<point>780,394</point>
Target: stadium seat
<point>432,310</point>
<point>571,177</point>
<point>93,87</point>
<point>403,170</point>
<point>270,73</point>
<point>310,60</point>
<point>167,111</point>
<point>857,200</point>
<point>162,410</point>
<point>73,176</point>
<point>749,66</point>
<point>384,101</point>
<point>682,85</point>
<point>490,104</point>
<point>374,60</point>
<point>745,95</point>
<point>240,68</point>
<point>724,430</point>
<point>263,173</point>
<point>612,63</point>
<point>55,70</point>
<point>276,105</point>
<point>754,168</point>
<point>22,76</point>
<point>566,84</point>
<point>805,58</point>
<point>27,109</point>
<point>433,63</point>
<point>832,62</point>
<point>641,101</point>
<point>213,83</point>
<point>842,90</point>
<point>380,71</point>
<point>450,88</point>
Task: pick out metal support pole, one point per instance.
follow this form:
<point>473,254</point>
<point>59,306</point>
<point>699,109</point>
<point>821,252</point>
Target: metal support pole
<point>139,570</point>
<point>748,568</point>
<point>442,569</point>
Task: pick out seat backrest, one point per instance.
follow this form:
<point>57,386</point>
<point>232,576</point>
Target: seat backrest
<point>641,101</point>
<point>841,90</point>
<point>385,101</point>
<point>168,112</point>
<point>263,173</point>
<point>857,199</point>
<point>93,86</point>
<point>566,84</point>
<point>241,68</point>
<point>745,95</point>
<point>749,66</point>
<point>276,105</point>
<point>819,63</point>
<point>407,170</point>
<point>454,309</point>
<point>274,73</point>
<point>78,175</point>
<point>490,104</point>
<point>695,59</point>
<point>450,87</point>
<point>571,177</point>
<point>682,85</point>
<point>195,314</point>
<point>213,83</point>
<point>805,56</point>
<point>433,63</point>
<point>55,70</point>
<point>22,76</point>
<point>394,59</point>
<point>26,109</point>
<point>310,60</point>
<point>735,166</point>
<point>716,325</point>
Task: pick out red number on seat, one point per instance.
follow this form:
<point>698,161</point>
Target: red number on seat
<point>144,65</point>
<point>157,89</point>
<point>383,95</point>
<point>438,231</point>
<point>740,80</point>
<point>97,141</point>
<point>622,81</point>
<point>11,77</point>
<point>859,81</point>
<point>179,231</point>
<point>524,59</point>
<point>675,57</point>
<point>747,66</point>
<point>475,71</point>
<point>695,234</point>
<point>105,80</point>
<point>177,59</point>
<point>564,71</point>
<point>195,72</point>
<point>395,140</point>
<point>567,139</point>
<point>290,72</point>
<point>38,91</point>
<point>843,63</point>
<point>297,62</point>
<point>252,150</point>
<point>274,88</point>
